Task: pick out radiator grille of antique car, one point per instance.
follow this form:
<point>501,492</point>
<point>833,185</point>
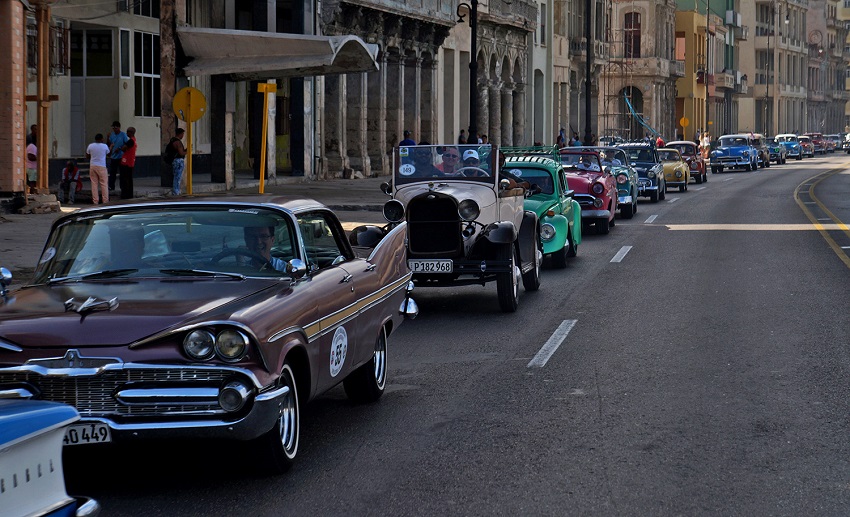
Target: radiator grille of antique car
<point>434,226</point>
<point>95,395</point>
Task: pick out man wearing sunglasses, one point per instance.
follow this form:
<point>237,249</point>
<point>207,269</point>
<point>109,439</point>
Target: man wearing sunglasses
<point>423,161</point>
<point>451,161</point>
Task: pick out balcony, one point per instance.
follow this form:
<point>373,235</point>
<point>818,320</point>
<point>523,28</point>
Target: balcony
<point>740,83</point>
<point>578,46</point>
<point>741,33</point>
<point>677,69</point>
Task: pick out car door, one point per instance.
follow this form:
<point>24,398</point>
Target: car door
<point>334,284</point>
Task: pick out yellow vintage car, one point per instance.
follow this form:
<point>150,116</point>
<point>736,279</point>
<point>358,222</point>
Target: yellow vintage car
<point>676,170</point>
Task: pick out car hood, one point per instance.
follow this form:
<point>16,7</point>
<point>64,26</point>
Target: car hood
<point>481,193</point>
<point>732,149</point>
<point>36,316</point>
<point>539,203</point>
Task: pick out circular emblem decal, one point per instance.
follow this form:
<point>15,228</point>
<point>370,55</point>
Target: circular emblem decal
<point>516,172</point>
<point>406,169</point>
<point>339,347</point>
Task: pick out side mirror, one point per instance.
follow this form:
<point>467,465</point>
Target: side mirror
<point>296,268</point>
<point>386,188</point>
<point>504,184</point>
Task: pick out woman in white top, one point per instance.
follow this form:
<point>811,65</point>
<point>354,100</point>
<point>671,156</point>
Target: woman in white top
<point>96,153</point>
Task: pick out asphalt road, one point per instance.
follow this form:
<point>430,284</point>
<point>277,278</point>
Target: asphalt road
<point>705,372</point>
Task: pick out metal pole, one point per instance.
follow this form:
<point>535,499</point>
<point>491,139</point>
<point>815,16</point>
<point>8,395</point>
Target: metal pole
<point>707,60</point>
<point>587,71</point>
<point>473,71</point>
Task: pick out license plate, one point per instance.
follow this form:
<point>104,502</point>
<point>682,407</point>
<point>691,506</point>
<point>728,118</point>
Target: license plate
<point>82,434</point>
<point>431,266</point>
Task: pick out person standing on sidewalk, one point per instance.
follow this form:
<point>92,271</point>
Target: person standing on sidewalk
<point>176,153</point>
<point>72,182</point>
<point>128,161</point>
<point>32,166</point>
<point>117,139</point>
<point>96,153</point>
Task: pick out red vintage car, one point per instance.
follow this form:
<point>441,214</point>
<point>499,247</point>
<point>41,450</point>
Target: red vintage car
<point>690,151</point>
<point>807,146</point>
<point>817,142</point>
<point>594,187</point>
<point>211,318</point>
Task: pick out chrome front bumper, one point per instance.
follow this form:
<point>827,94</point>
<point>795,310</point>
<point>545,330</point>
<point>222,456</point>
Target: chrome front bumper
<point>625,200</point>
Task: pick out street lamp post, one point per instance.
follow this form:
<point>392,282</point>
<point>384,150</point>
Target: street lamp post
<point>472,8</point>
<point>588,133</point>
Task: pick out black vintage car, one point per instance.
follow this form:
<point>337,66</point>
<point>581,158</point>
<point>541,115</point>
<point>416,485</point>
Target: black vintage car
<point>644,158</point>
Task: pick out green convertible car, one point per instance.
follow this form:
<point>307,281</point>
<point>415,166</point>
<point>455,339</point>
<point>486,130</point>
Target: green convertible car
<point>559,215</point>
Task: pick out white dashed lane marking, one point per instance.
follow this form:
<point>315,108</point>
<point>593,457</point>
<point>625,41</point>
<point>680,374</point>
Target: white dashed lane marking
<point>552,344</point>
<point>673,200</point>
<point>650,219</point>
<point>621,254</point>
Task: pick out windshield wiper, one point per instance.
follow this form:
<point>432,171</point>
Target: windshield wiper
<point>107,273</point>
<point>201,272</point>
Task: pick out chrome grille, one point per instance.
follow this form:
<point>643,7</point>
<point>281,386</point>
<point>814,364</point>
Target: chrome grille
<point>94,395</point>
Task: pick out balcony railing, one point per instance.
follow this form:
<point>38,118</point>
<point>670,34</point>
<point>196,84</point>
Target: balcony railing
<point>725,80</point>
<point>741,33</point>
<point>677,68</point>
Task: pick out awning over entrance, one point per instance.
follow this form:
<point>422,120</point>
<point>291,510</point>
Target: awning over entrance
<point>247,55</point>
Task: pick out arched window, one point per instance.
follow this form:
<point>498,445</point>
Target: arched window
<point>632,35</point>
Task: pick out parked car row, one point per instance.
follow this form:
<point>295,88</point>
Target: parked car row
<point>751,151</point>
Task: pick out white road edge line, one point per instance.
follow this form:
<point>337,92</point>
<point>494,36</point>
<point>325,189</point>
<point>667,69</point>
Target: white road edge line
<point>621,254</point>
<point>700,188</point>
<point>552,344</point>
<point>650,219</point>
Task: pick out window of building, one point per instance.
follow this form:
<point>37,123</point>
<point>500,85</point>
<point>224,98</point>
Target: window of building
<point>149,8</point>
<point>632,35</point>
<point>125,53</point>
<point>91,53</point>
<point>146,74</point>
<point>542,25</point>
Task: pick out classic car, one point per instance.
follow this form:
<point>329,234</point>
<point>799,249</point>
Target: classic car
<point>594,187</point>
<point>690,152</point>
<point>845,143</point>
<point>644,159</point>
<point>833,142</point>
<point>734,152</point>
<point>558,213</point>
<point>792,146</point>
<point>32,481</point>
<point>676,170</point>
<point>807,146</point>
<point>627,178</point>
<point>818,144</point>
<point>763,150</point>
<point>466,221</point>
<point>214,318</point>
<point>778,152</point>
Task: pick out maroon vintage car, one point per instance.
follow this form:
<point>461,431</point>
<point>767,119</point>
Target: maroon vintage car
<point>594,187</point>
<point>205,318</point>
<point>691,153</point>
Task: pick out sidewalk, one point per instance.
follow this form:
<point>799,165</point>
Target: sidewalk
<point>355,201</point>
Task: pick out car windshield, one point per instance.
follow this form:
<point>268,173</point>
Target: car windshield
<point>416,163</point>
<point>787,138</point>
<point>610,156</point>
<point>233,240</point>
<point>581,161</point>
<point>540,177</point>
<point>668,156</point>
<point>640,155</point>
<point>685,149</point>
<point>730,141</point>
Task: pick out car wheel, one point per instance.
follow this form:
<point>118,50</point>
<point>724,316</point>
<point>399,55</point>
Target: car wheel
<point>698,179</point>
<point>800,156</point>
<point>653,196</point>
<point>748,167</point>
<point>367,382</point>
<point>279,446</point>
<point>531,279</point>
<point>559,258</point>
<point>572,250</point>
<point>627,211</point>
<point>662,192</point>
<point>602,227</point>
<point>507,284</point>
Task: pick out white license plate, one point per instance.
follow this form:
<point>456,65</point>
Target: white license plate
<point>431,266</point>
<point>82,434</point>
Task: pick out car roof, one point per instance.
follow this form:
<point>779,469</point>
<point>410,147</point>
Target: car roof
<point>293,204</point>
<point>534,160</point>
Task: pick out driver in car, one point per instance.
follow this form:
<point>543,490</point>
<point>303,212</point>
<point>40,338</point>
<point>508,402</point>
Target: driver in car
<point>259,240</point>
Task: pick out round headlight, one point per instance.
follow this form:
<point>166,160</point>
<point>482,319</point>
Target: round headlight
<point>598,188</point>
<point>393,211</point>
<point>199,344</point>
<point>468,210</point>
<point>651,174</point>
<point>231,345</point>
<point>622,178</point>
<point>547,232</point>
<point>597,203</point>
<point>745,154</point>
<point>694,165</point>
<point>678,174</point>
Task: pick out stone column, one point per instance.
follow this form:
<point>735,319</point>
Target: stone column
<point>434,127</point>
<point>483,106</point>
<point>417,99</point>
<point>376,117</point>
<point>355,124</point>
<point>495,130</point>
<point>519,114</point>
<point>507,115</point>
<point>12,97</point>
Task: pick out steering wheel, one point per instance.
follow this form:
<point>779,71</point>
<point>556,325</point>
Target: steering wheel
<point>472,172</point>
<point>241,252</point>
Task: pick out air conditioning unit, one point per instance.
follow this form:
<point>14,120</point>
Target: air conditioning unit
<point>733,18</point>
